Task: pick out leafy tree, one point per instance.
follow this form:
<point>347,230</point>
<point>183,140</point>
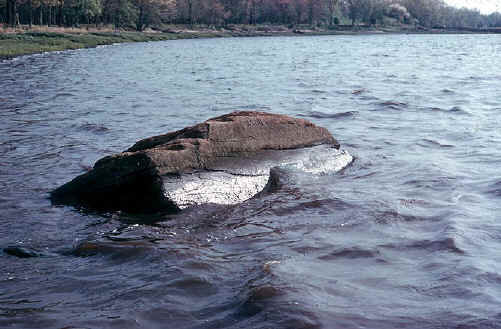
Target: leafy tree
<point>90,9</point>
<point>140,14</point>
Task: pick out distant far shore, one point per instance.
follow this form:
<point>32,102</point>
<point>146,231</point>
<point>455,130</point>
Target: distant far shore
<point>24,41</point>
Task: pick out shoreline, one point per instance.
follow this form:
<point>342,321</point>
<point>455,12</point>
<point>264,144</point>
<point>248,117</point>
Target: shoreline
<point>16,43</point>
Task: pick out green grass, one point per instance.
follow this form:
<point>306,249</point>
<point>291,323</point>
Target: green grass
<point>17,44</point>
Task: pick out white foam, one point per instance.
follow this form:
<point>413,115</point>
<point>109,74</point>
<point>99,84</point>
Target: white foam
<point>323,163</point>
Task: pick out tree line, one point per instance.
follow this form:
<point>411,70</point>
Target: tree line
<point>140,14</point>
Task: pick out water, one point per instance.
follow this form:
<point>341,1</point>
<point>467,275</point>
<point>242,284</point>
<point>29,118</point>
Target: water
<point>408,236</point>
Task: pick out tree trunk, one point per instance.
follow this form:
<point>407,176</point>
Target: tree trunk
<point>140,18</point>
<point>15,13</point>
<point>60,14</point>
<point>30,5</point>
<point>7,12</point>
<point>332,8</point>
<point>310,12</point>
<point>117,17</point>
<point>252,12</point>
<point>12,12</point>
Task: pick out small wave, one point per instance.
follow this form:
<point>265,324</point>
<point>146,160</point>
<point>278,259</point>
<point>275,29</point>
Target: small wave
<point>390,216</point>
<point>93,128</point>
<point>436,109</point>
<point>435,143</point>
<point>446,244</point>
<point>192,286</point>
<point>85,167</point>
<point>59,95</point>
<point>257,299</point>
<point>321,207</point>
<point>321,163</point>
<point>304,250</point>
<point>250,107</point>
<point>358,91</point>
<point>14,311</point>
<point>4,149</point>
<point>351,253</point>
<point>322,115</point>
<point>409,203</point>
<point>121,251</point>
<point>438,183</point>
<point>490,277</point>
<point>495,188</point>
<point>459,110</point>
<point>368,98</point>
<point>265,307</point>
<point>455,109</point>
<point>394,105</point>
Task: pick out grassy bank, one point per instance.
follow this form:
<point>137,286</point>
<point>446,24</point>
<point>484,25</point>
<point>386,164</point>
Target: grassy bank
<point>24,42</point>
<point>14,44</point>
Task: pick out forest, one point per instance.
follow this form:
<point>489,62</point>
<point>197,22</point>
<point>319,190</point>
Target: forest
<point>142,14</point>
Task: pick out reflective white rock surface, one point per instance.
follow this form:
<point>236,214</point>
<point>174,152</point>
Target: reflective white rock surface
<point>235,180</point>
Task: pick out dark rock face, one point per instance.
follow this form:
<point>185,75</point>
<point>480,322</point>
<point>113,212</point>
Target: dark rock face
<point>134,180</point>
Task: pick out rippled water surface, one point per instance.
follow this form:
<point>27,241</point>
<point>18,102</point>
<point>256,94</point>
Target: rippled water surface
<point>408,236</point>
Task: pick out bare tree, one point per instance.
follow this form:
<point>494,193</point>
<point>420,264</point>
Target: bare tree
<point>354,9</point>
<point>332,6</point>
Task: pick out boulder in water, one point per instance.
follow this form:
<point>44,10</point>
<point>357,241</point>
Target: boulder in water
<point>158,173</point>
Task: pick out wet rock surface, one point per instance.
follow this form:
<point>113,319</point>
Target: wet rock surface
<point>238,179</point>
<point>226,160</point>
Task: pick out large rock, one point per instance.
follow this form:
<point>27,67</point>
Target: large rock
<point>135,180</point>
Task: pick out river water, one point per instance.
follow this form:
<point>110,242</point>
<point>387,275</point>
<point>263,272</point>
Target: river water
<point>407,236</point>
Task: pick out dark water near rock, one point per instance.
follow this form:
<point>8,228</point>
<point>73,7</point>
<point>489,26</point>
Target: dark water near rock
<point>408,236</point>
